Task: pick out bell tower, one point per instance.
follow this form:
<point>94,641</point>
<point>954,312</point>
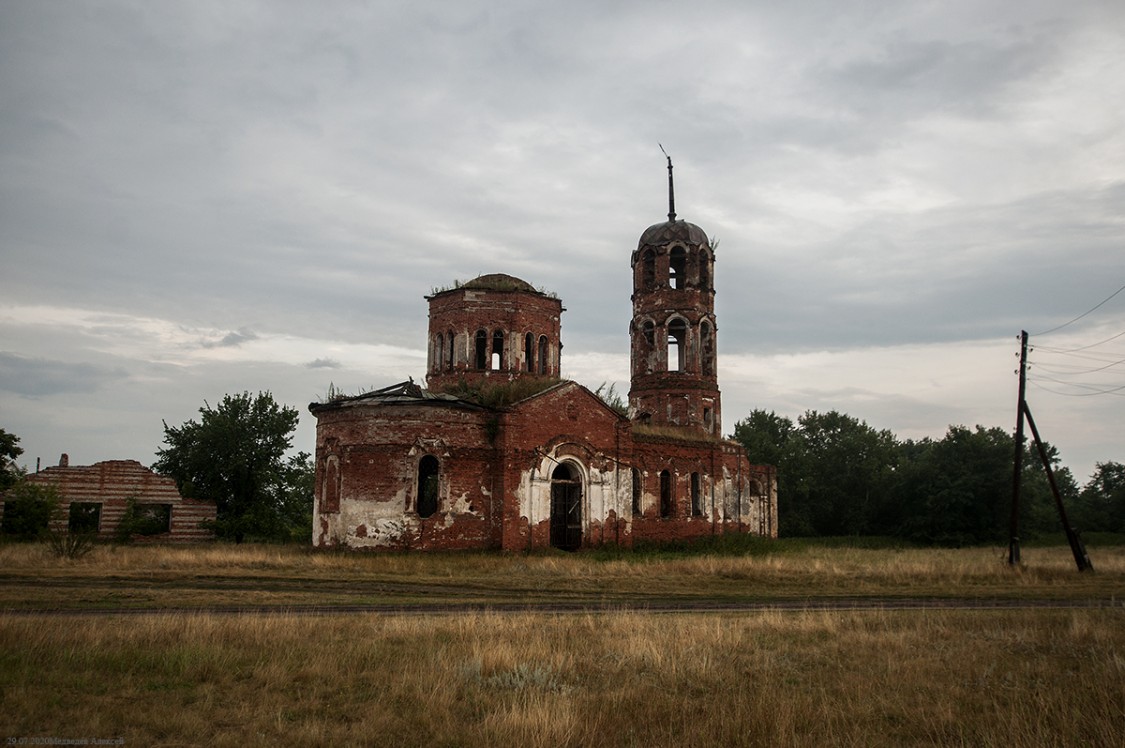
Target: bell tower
<point>674,380</point>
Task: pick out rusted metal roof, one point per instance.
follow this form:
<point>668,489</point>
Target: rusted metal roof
<point>669,231</point>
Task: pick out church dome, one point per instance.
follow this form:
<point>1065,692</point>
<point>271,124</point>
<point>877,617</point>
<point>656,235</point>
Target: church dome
<point>499,282</point>
<point>669,231</point>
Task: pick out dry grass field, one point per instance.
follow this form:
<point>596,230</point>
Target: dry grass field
<point>261,575</point>
<point>1021,677</point>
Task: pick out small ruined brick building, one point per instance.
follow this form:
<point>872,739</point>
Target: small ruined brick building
<point>98,497</point>
<point>498,452</point>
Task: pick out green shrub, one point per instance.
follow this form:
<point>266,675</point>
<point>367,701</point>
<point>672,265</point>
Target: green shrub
<point>28,509</point>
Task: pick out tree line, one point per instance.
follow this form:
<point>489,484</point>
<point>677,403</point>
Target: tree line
<point>839,476</point>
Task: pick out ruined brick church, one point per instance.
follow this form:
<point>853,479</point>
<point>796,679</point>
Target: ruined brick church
<point>497,452</point>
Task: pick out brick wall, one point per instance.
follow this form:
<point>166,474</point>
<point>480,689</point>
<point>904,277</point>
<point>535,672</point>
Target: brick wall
<point>111,484</point>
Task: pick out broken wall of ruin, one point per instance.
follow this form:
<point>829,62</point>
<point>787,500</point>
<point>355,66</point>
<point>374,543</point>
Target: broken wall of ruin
<point>112,484</point>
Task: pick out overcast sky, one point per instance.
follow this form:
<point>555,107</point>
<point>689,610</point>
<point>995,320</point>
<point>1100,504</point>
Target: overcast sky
<point>200,198</point>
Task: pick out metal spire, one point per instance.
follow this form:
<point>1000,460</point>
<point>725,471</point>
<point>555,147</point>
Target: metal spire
<point>671,191</point>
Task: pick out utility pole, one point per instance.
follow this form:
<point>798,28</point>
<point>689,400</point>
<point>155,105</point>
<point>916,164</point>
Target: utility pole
<point>1081,559</point>
<point>1014,524</point>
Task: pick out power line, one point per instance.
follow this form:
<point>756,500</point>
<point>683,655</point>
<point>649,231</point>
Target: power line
<point>1080,316</point>
<point>1094,345</point>
<point>1101,358</point>
<point>1077,394</point>
<point>1065,370</point>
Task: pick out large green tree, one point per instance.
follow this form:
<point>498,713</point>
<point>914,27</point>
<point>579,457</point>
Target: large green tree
<point>234,455</point>
<point>839,476</point>
<point>956,490</point>
<point>833,470</point>
<point>1101,505</point>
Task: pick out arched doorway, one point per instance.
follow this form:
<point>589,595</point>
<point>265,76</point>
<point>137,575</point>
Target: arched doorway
<point>566,507</point>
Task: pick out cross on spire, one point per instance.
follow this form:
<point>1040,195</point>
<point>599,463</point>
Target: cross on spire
<point>671,191</point>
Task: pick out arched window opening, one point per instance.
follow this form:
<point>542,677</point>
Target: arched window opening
<point>707,420</point>
<point>677,266</point>
<point>439,349</point>
<point>648,269</point>
<point>543,357</point>
<point>665,494</point>
<point>497,350</point>
<point>566,508</point>
<point>707,339</point>
<point>529,353</point>
<point>330,501</point>
<point>449,360</point>
<point>704,271</point>
<point>677,344</point>
<point>696,501</point>
<point>636,492</point>
<point>648,332</point>
<point>427,500</point>
<point>481,358</point>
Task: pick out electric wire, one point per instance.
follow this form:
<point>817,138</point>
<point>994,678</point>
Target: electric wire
<point>1072,394</point>
<point>1080,316</point>
<point>1095,345</point>
<point>1065,370</point>
<point>1098,388</point>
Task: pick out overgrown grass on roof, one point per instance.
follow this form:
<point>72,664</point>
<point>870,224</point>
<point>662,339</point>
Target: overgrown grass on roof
<point>673,433</point>
<point>500,394</point>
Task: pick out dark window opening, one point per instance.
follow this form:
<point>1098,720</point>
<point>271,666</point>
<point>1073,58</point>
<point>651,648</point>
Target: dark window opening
<point>704,271</point>
<point>152,519</point>
<point>449,360</point>
<point>497,350</point>
<point>439,349</point>
<point>707,419</point>
<point>677,265</point>
<point>696,503</point>
<point>481,358</point>
<point>665,494</point>
<point>636,492</point>
<point>84,517</point>
<point>648,269</point>
<point>677,344</point>
<point>650,334</point>
<point>543,357</point>
<point>427,501</point>
<point>529,353</point>
<point>331,500</point>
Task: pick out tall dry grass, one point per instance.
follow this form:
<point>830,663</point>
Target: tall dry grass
<point>151,576</point>
<point>1026,678</point>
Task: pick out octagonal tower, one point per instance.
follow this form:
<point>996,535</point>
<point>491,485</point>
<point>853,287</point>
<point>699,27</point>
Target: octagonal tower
<point>493,327</point>
<point>674,379</point>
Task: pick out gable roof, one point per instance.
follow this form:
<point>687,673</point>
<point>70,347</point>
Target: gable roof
<point>559,389</point>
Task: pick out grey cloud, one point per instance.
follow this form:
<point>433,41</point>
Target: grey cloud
<point>323,363</point>
<point>317,172</point>
<point>231,339</point>
<point>38,377</point>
